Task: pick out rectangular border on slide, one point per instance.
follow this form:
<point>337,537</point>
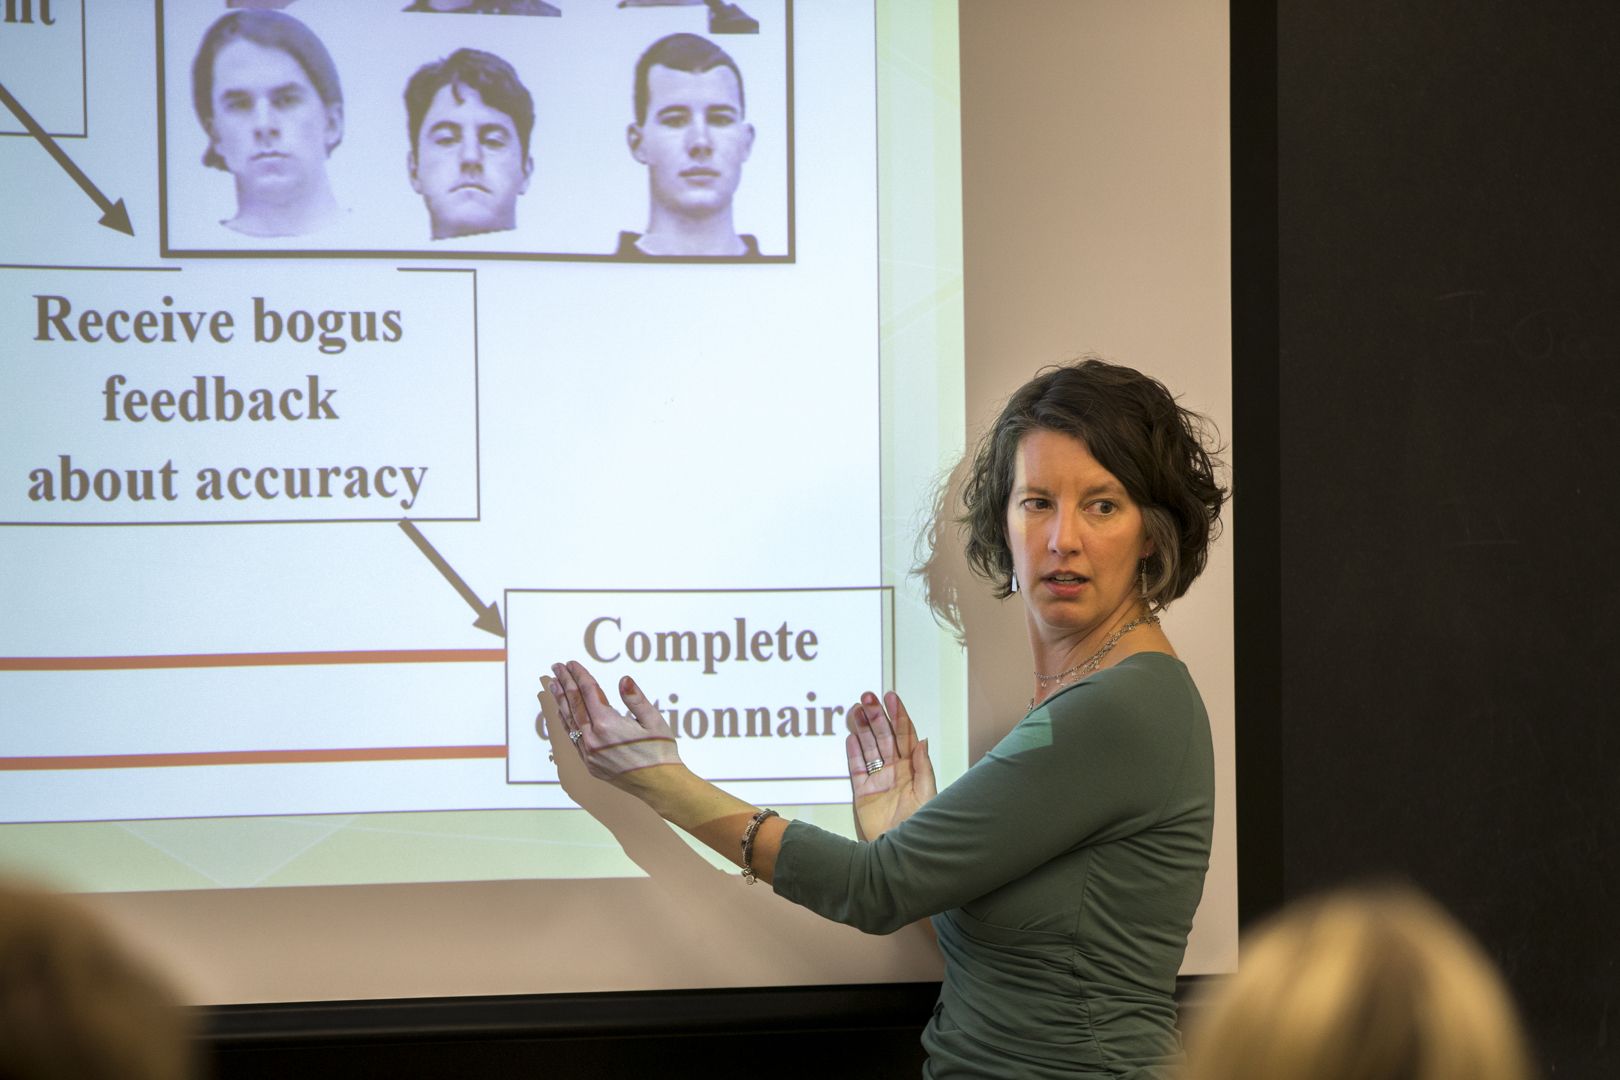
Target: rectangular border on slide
<point>478,461</point>
<point>888,665</point>
<point>84,91</point>
<point>167,251</point>
<point>46,848</point>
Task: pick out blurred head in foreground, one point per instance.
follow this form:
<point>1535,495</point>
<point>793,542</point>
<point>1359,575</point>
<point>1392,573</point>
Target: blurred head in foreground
<point>1360,985</point>
<point>74,1004</point>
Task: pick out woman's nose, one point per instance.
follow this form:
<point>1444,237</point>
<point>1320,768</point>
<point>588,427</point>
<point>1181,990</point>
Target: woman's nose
<point>1065,534</point>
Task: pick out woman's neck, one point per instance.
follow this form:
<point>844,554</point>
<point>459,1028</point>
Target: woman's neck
<point>1065,659</point>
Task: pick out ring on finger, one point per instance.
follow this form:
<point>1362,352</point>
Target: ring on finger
<point>874,766</point>
<point>575,736</point>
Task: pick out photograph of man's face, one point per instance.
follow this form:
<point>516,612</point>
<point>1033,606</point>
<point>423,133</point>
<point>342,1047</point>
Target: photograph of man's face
<point>469,166</point>
<point>268,97</point>
<point>694,140</point>
<point>470,156</point>
<point>270,127</point>
<point>692,133</point>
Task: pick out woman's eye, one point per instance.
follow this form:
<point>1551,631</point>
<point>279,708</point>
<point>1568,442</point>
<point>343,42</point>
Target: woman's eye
<point>1104,506</point>
<point>1036,504</point>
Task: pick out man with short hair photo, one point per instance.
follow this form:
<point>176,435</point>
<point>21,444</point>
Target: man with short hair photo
<point>692,134</point>
<point>469,118</point>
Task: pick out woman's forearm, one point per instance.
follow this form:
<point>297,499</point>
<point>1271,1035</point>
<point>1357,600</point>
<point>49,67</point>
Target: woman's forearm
<point>714,817</point>
<point>637,754</point>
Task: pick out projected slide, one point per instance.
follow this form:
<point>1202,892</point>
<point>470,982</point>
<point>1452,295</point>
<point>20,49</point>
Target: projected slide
<point>360,358</point>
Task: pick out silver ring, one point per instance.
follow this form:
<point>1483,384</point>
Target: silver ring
<point>575,736</point>
<point>874,766</point>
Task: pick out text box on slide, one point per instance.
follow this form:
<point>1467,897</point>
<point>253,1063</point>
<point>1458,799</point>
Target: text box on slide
<point>338,394</point>
<point>42,66</point>
<point>755,682</point>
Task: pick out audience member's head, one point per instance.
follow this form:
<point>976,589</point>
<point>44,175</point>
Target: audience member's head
<point>1360,985</point>
<point>74,1005</point>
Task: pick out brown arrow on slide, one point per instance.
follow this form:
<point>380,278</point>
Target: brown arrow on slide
<point>489,615</point>
<point>113,214</point>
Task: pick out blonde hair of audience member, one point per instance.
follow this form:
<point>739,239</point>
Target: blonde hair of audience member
<point>74,1004</point>
<point>1365,985</point>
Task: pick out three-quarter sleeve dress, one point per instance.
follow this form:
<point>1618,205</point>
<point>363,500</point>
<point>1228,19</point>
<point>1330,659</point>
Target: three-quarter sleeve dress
<point>1062,872</point>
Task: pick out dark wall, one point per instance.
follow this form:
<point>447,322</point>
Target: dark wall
<point>1448,320</point>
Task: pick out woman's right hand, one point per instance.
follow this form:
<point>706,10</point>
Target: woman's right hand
<point>617,747</point>
<point>885,798</point>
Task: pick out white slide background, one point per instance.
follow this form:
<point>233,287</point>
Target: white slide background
<point>639,427</point>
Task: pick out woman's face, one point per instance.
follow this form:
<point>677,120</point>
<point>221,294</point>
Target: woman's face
<point>1077,538</point>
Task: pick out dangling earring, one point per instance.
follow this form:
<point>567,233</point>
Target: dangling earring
<point>1012,585</point>
<point>1141,582</point>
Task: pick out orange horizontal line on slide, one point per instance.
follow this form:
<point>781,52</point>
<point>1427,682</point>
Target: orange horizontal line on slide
<point>252,757</point>
<point>274,659</point>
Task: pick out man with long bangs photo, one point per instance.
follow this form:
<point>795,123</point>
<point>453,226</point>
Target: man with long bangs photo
<point>267,94</point>
<point>469,118</point>
<point>691,132</point>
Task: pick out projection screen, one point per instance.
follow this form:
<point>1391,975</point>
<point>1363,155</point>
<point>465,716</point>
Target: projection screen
<point>343,389</point>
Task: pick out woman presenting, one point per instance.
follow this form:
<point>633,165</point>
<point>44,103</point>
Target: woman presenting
<point>1063,869</point>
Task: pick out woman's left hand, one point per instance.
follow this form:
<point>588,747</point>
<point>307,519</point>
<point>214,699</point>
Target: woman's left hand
<point>887,795</point>
<point>615,747</point>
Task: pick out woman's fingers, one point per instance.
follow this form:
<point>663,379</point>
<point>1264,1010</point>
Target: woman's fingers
<point>596,702</point>
<point>612,745</point>
<point>882,728</point>
<point>550,688</point>
<point>922,773</point>
<point>857,760</point>
<point>569,711</point>
<point>569,704</point>
<point>905,735</point>
<point>645,713</point>
<point>860,724</point>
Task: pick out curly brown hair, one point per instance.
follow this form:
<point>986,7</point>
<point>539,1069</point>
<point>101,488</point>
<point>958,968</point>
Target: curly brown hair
<point>1162,453</point>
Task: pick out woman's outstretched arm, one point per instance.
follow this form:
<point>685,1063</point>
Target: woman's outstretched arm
<point>637,754</point>
<point>889,771</point>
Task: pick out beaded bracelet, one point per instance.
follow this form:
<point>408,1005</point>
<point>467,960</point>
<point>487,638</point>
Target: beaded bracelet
<point>748,843</point>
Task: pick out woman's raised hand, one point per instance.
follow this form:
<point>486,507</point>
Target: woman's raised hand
<point>614,747</point>
<point>886,795</point>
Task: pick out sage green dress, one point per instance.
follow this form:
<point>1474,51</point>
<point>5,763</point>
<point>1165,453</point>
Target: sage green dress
<point>1062,872</point>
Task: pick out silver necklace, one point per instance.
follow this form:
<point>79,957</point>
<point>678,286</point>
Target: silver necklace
<point>1091,663</point>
